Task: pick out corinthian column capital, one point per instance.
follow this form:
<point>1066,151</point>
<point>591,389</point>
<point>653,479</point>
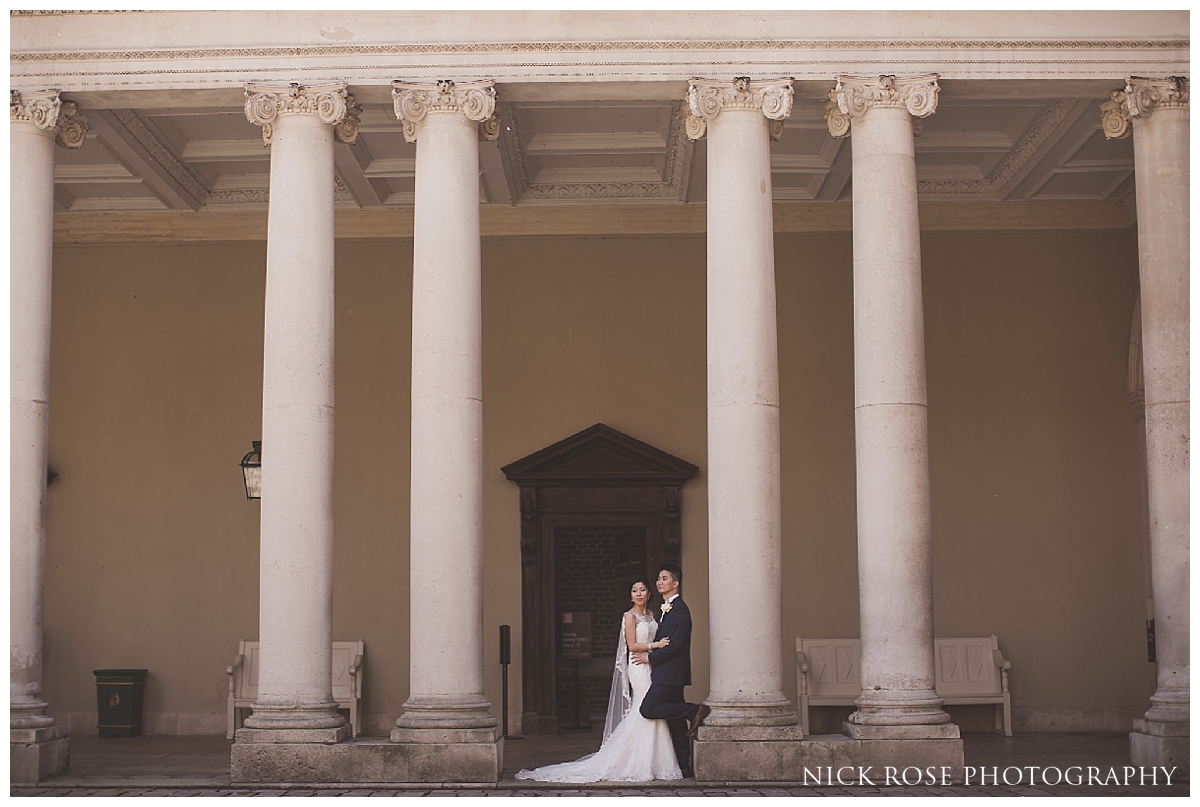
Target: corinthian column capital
<point>707,98</point>
<point>330,102</point>
<point>854,95</point>
<point>47,111</point>
<point>475,99</point>
<point>1144,95</point>
<point>41,108</point>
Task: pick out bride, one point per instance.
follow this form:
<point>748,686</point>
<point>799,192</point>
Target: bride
<point>634,749</point>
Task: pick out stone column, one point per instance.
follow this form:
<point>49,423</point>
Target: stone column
<point>37,120</point>
<point>295,703</point>
<point>752,731</point>
<point>895,580</point>
<point>446,707</point>
<point>1161,128</point>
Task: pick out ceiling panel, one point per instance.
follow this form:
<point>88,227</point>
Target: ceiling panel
<point>603,152</point>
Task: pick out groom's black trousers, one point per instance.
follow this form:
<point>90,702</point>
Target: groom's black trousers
<point>665,702</point>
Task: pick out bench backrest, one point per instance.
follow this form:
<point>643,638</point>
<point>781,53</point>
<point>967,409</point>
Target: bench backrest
<point>832,667</point>
<point>962,665</point>
<point>246,683</point>
<point>965,666</point>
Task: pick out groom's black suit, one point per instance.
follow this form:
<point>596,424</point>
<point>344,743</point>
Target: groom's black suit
<point>670,672</point>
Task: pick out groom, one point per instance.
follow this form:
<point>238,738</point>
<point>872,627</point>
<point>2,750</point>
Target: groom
<point>671,668</point>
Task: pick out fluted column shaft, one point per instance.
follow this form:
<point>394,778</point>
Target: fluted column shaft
<point>746,676</point>
<point>296,551</point>
<point>446,505</point>
<point>31,243</point>
<point>1161,130</point>
<point>894,542</point>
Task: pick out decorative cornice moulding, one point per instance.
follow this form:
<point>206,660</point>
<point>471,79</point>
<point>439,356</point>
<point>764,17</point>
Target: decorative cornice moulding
<point>750,45</point>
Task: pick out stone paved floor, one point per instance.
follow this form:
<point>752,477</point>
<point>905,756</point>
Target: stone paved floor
<point>199,766</point>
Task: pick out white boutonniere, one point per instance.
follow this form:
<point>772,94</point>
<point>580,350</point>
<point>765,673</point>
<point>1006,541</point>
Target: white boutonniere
<point>666,608</point>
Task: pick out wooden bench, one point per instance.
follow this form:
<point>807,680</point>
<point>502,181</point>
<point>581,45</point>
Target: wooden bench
<point>347,682</point>
<point>968,671</point>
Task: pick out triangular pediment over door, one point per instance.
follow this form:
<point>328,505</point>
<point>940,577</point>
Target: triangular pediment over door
<point>600,455</point>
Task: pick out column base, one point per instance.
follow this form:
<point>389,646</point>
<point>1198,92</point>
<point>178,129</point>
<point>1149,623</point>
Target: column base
<point>319,717</point>
<point>38,754</point>
<point>1153,744</point>
<point>447,712</point>
<point>739,714</point>
<point>899,708</point>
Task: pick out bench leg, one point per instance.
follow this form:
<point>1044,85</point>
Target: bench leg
<point>1007,716</point>
<point>231,718</point>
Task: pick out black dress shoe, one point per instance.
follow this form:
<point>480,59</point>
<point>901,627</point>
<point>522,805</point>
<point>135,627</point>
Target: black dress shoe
<point>698,720</point>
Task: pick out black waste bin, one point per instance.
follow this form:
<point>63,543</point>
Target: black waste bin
<point>119,702</point>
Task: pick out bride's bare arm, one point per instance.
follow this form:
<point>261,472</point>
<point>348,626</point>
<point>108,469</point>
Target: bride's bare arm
<point>631,636</point>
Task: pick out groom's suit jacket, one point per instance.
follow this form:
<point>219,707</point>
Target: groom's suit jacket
<point>673,664</point>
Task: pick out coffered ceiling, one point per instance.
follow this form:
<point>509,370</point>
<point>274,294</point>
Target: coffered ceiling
<point>592,152</point>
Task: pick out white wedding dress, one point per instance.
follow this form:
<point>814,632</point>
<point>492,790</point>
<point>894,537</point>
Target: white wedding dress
<point>637,749</point>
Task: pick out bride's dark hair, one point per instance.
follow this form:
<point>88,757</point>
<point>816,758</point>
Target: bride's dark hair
<point>642,579</point>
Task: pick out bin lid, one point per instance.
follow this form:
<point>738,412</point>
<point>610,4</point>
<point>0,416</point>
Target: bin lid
<point>120,673</point>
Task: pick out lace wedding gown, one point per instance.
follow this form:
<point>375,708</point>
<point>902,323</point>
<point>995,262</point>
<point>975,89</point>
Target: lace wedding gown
<point>638,750</point>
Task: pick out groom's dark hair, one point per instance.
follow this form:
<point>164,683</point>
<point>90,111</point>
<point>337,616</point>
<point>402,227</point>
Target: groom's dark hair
<point>675,571</point>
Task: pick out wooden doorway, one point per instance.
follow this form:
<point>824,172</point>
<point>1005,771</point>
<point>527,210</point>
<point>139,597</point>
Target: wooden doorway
<point>596,509</point>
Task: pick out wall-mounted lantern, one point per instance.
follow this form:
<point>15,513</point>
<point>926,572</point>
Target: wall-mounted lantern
<point>252,470</point>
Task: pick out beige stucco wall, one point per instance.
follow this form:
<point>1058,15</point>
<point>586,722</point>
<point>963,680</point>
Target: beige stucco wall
<point>156,393</point>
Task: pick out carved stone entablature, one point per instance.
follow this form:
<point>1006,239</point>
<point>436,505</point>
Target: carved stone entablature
<point>329,102</point>
<point>856,94</point>
<point>1144,95</point>
<point>708,97</point>
<point>413,101</point>
<point>1114,116</point>
<point>47,111</point>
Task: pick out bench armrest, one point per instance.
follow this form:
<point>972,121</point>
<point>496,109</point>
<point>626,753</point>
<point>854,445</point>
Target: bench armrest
<point>238,661</point>
<point>355,669</point>
<point>802,668</point>
<point>1004,665</point>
